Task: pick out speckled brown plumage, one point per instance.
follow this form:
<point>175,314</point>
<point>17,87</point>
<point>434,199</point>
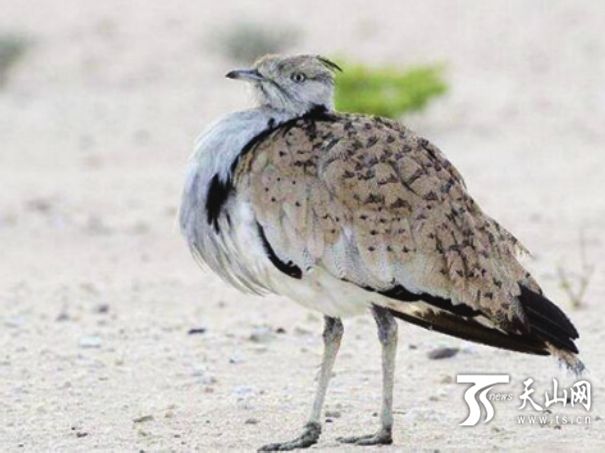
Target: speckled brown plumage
<point>403,204</point>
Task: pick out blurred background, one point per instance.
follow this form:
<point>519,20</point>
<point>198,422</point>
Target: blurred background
<point>111,337</point>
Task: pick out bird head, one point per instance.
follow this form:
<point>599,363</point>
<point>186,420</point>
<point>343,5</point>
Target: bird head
<point>296,84</point>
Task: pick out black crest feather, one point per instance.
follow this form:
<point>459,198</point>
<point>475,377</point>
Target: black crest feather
<point>329,64</point>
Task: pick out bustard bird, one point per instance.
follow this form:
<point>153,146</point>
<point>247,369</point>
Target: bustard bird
<point>348,214</point>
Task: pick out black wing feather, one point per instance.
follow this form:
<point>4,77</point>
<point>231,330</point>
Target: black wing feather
<point>547,322</point>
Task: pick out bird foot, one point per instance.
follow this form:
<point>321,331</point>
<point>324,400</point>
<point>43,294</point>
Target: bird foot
<point>382,437</point>
<point>310,436</point>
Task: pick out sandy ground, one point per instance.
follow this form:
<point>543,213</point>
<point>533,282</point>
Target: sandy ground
<point>98,292</point>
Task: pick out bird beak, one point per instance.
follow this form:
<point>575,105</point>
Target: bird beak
<point>245,74</point>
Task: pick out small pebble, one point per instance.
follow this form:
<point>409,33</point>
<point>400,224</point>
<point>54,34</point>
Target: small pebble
<point>447,379</point>
<point>62,317</point>
<point>208,380</point>
<point>96,225</point>
<point>196,331</point>
<point>243,392</point>
<point>39,204</point>
<point>91,341</point>
<point>251,421</point>
<point>89,288</point>
<point>102,309</point>
<point>143,419</point>
<point>236,358</point>
<point>261,335</point>
<point>442,353</point>
<point>79,435</point>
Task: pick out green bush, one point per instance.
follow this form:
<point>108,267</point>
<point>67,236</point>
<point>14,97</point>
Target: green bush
<point>12,48</point>
<point>387,91</point>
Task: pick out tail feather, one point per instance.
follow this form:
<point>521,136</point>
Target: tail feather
<point>569,359</point>
<point>471,330</point>
<point>548,319</point>
<point>550,330</point>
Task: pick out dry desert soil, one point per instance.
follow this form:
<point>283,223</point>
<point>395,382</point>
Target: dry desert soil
<point>112,339</point>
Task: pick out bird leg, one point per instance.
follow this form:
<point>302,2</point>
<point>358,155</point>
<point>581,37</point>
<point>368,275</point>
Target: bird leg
<point>387,334</point>
<point>332,335</point>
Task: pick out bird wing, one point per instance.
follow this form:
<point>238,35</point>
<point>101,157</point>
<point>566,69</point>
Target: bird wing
<point>376,205</point>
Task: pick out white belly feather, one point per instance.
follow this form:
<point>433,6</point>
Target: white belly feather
<point>316,289</point>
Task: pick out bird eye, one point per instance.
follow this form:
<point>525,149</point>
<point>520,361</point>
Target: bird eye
<point>298,77</point>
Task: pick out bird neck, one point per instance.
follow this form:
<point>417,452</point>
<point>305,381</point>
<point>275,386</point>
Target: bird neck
<point>296,109</point>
